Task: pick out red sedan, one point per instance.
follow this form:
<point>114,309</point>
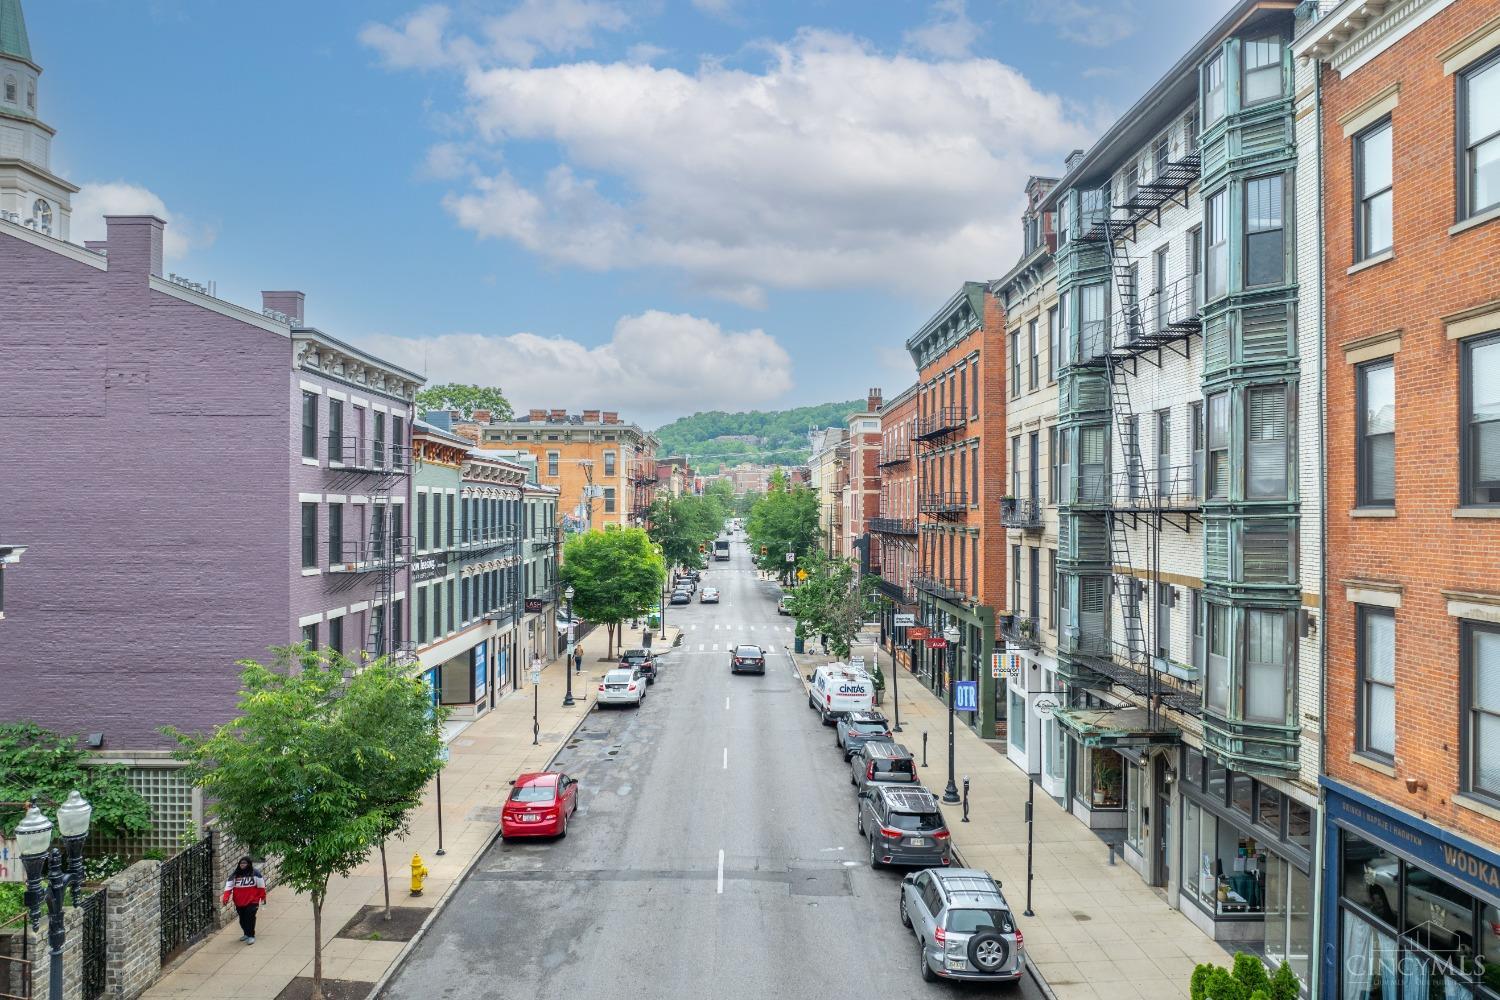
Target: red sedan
<point>539,805</point>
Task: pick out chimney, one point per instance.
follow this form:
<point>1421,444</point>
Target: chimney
<point>134,243</point>
<point>481,416</point>
<point>611,417</point>
<point>559,416</point>
<point>872,401</point>
<point>1073,159</point>
<point>536,416</point>
<point>591,416</point>
<point>284,302</point>
<point>98,246</point>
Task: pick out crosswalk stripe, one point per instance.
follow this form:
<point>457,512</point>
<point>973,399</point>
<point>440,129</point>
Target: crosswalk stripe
<point>700,647</point>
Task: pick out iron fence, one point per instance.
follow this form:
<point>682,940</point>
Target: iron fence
<point>95,939</point>
<point>187,898</point>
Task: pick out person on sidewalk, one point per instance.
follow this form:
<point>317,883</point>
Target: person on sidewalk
<point>578,658</point>
<point>247,887</point>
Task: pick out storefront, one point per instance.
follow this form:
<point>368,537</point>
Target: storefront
<point>1411,912</point>
<point>1103,742</point>
<point>1035,742</point>
<point>968,661</point>
<point>462,682</point>
<point>1246,861</point>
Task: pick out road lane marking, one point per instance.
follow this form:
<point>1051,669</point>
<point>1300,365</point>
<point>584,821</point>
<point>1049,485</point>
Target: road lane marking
<point>700,647</point>
<point>726,758</point>
<point>726,703</point>
<point>721,871</point>
<point>716,626</point>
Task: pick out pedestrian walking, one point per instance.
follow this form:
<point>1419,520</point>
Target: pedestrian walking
<point>578,658</point>
<point>247,887</point>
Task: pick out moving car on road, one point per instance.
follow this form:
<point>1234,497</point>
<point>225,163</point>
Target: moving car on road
<point>622,686</point>
<point>852,730</point>
<point>710,595</point>
<point>838,689</point>
<point>963,926</point>
<point>721,550</point>
<point>639,659</point>
<point>539,805</point>
<point>747,659</point>
<point>904,826</point>
<point>881,760</point>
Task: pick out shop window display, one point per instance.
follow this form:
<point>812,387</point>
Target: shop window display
<point>1100,779</point>
<point>1226,868</point>
<point>1133,795</point>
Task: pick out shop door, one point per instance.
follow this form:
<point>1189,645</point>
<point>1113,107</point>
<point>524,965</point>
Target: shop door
<point>1163,827</point>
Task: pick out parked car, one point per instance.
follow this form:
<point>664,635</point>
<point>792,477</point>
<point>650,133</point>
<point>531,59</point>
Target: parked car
<point>851,731</point>
<point>881,760</point>
<point>539,805</point>
<point>783,606</point>
<point>681,597</point>
<point>710,595</point>
<point>838,689</point>
<point>1442,914</point>
<point>696,575</point>
<point>745,659</point>
<point>904,826</point>
<point>622,686</point>
<point>963,926</point>
<point>642,660</point>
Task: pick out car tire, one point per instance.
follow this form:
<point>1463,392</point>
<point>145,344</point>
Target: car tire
<point>874,859</point>
<point>905,917</point>
<point>859,823</point>
<point>988,952</point>
<point>562,833</point>
<point>928,976</point>
<point>838,740</point>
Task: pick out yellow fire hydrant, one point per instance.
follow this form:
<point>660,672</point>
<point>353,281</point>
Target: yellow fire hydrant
<point>418,873</point>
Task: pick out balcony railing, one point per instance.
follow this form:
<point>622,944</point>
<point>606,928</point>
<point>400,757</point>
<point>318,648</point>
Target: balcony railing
<point>942,421</point>
<point>947,588</point>
<point>893,525</point>
<point>1021,512</point>
<point>1019,632</point>
<point>943,504</point>
<point>894,455</point>
<point>896,592</point>
<point>486,539</point>
<point>1130,669</point>
<point>367,555</point>
<point>354,453</point>
<point>1164,488</point>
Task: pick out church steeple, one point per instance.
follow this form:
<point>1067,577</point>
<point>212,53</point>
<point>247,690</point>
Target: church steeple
<point>30,193</point>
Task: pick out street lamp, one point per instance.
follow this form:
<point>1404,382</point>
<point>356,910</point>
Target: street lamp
<point>43,861</point>
<point>950,634</point>
<point>568,698</point>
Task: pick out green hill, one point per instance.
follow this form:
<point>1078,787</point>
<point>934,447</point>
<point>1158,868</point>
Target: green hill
<point>771,437</point>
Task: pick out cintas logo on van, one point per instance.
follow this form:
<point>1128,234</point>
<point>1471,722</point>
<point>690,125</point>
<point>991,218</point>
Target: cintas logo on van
<point>852,689</point>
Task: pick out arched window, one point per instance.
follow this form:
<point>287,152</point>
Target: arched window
<point>10,89</point>
<point>42,213</point>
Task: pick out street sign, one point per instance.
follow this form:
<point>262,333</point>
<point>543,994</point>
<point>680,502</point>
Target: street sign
<point>1005,665</point>
<point>1043,706</point>
<point>444,754</point>
<point>791,557</point>
<point>936,642</point>
<point>536,677</point>
<point>966,696</point>
<point>857,662</point>
<point>801,575</point>
<point>918,632</point>
<point>905,621</point>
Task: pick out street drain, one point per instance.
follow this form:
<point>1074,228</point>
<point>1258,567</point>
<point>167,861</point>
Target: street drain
<point>1082,916</point>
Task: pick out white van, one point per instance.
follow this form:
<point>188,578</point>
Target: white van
<point>838,689</point>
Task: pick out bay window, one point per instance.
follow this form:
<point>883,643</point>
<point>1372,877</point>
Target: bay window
<point>1266,666</point>
<point>1262,77</point>
<point>1216,224</point>
<point>1265,231</point>
<point>1266,443</point>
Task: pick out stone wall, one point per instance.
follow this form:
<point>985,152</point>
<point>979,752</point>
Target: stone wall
<point>72,957</point>
<point>133,930</point>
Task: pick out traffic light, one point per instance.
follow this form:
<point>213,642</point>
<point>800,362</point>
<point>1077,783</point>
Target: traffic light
<point>763,550</point>
<point>702,548</point>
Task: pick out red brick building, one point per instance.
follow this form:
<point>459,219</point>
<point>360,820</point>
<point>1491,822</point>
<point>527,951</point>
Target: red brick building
<point>1411,178</point>
<point>861,490</point>
<point>893,530</point>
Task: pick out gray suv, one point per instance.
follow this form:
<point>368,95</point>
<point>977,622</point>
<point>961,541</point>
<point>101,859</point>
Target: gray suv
<point>881,760</point>
<point>854,729</point>
<point>963,926</point>
<point>904,826</point>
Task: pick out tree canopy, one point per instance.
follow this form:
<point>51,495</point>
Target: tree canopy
<point>465,399</point>
<point>680,525</point>
<point>615,573</point>
<point>764,437</point>
<point>784,520</point>
<point>834,601</point>
<point>38,765</point>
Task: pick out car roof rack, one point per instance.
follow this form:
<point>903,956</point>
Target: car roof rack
<point>910,800</point>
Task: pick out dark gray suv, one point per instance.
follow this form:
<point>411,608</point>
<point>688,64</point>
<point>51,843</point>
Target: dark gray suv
<point>963,926</point>
<point>852,730</point>
<point>904,826</point>
<point>881,760</point>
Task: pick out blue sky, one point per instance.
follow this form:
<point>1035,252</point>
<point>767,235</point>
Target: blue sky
<point>656,206</point>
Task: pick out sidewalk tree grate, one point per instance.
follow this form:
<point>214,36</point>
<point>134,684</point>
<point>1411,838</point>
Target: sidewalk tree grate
<point>369,924</point>
<point>333,989</point>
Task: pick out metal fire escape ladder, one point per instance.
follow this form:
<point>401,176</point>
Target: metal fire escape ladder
<point>388,551</point>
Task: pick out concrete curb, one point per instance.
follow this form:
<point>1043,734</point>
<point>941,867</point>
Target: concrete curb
<point>1031,970</point>
<point>453,886</point>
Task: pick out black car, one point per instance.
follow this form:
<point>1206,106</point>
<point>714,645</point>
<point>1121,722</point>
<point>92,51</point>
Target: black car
<point>746,659</point>
<point>642,660</point>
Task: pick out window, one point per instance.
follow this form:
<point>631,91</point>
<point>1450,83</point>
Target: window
<point>379,439</point>
<point>1375,666</point>
<point>1195,427</point>
<point>974,389</point>
<point>421,520</point>
<point>1265,257</point>
<point>1213,89</point>
<point>1479,138</point>
<point>1036,354</point>
<point>1015,364</point>
<point>1373,182</point>
<point>1266,666</point>
<point>336,634</point>
<point>1262,77</point>
<point>1195,267</point>
<point>1163,296</point>
<point>552,463</point>
<point>1163,620</point>
<point>1034,585</point>
<point>1196,611</point>
<point>437,520</point>
<point>609,463</point>
<point>1054,472</point>
<point>310,635</point>
<point>974,475</point>
<point>1218,446</point>
<point>1161,153</point>
<point>1216,682</point>
<point>451,609</point>
<point>1164,484</point>
<point>1376,431</point>
<point>1052,342</point>
<point>609,499</point>
<point>1034,471</point>
<point>309,425</point>
<point>399,449</point>
<point>335,430</point>
<point>31,94</point>
<point>309,536</point>
<point>1052,588</point>
<point>451,500</point>
<point>1266,443</point>
<point>1015,467</point>
<point>1015,580</point>
<point>1093,321</point>
<point>41,211</point>
<point>10,89</point>
<point>399,549</point>
<point>1480,659</point>
<point>1481,421</point>
<point>1216,219</point>
<point>1093,453</point>
<point>963,387</point>
<point>335,532</point>
<point>422,634</point>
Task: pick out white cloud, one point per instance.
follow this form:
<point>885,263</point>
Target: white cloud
<point>1097,25</point>
<point>718,8</point>
<point>96,200</point>
<point>417,43</point>
<point>645,52</point>
<point>650,367</point>
<point>423,40</point>
<point>833,166</point>
<point>948,34</point>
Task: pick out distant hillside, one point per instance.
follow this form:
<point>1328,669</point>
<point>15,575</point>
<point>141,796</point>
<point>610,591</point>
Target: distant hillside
<point>774,437</point>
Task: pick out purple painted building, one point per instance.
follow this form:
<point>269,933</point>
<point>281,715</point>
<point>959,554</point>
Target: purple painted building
<point>195,481</point>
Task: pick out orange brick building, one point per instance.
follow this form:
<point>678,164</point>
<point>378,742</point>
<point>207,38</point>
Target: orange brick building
<point>959,451</point>
<point>1411,178</point>
<point>893,529</point>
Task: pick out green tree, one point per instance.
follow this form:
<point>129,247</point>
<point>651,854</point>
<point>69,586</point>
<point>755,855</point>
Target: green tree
<point>834,601</point>
<point>682,525</point>
<point>784,520</point>
<point>466,399</point>
<point>615,574</point>
<point>292,775</point>
<point>38,765</point>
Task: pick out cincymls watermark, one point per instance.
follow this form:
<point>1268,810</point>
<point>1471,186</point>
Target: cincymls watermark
<point>1365,967</point>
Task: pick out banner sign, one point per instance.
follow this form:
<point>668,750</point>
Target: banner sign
<point>936,642</point>
<point>918,632</point>
<point>905,620</point>
<point>431,567</point>
<point>533,605</point>
<point>966,696</point>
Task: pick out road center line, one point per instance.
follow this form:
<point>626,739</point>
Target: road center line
<point>726,703</point>
<point>721,871</point>
<point>726,758</point>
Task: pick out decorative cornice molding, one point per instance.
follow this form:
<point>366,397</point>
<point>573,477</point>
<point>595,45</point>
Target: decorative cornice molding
<point>1357,31</point>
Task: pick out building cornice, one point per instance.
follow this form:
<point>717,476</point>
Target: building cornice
<point>1357,31</point>
<point>960,316</point>
<point>316,351</point>
<point>61,247</point>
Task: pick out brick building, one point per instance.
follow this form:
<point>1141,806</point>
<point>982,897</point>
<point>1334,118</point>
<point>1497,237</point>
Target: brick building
<point>894,528</point>
<point>960,459</point>
<point>860,500</point>
<point>1411,240</point>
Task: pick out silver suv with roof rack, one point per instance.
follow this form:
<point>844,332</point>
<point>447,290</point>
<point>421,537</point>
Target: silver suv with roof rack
<point>963,926</point>
<point>904,826</point>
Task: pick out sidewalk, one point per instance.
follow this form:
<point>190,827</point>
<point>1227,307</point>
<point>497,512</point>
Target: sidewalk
<point>1100,933</point>
<point>485,755</point>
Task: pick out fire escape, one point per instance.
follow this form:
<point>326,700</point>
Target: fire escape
<point>895,533</point>
<point>1131,500</point>
<point>943,506</point>
<point>373,469</point>
<point>643,481</point>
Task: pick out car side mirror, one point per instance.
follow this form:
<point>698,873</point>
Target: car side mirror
<point>511,782</point>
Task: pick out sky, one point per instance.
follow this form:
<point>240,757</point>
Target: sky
<point>650,206</point>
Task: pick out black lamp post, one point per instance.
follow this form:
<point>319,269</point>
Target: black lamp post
<point>950,635</point>
<point>43,861</point>
<point>568,698</point>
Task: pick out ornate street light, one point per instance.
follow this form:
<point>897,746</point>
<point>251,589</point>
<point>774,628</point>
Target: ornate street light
<point>45,862</point>
<point>950,635</point>
<point>568,663</point>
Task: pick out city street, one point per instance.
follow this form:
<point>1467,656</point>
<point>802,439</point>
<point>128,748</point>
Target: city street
<point>714,852</point>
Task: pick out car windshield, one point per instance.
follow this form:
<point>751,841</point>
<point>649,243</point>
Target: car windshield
<point>869,727</point>
<point>538,794</point>
<point>972,921</point>
<point>636,657</point>
<point>618,676</point>
<point>899,766</point>
<point>747,651</point>
<point>921,822</point>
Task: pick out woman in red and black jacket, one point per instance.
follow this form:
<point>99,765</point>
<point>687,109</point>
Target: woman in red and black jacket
<point>247,887</point>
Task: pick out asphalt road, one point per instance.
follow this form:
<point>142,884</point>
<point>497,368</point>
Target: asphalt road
<point>714,853</point>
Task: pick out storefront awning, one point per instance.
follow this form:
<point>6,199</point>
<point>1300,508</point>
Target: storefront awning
<point>1116,727</point>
